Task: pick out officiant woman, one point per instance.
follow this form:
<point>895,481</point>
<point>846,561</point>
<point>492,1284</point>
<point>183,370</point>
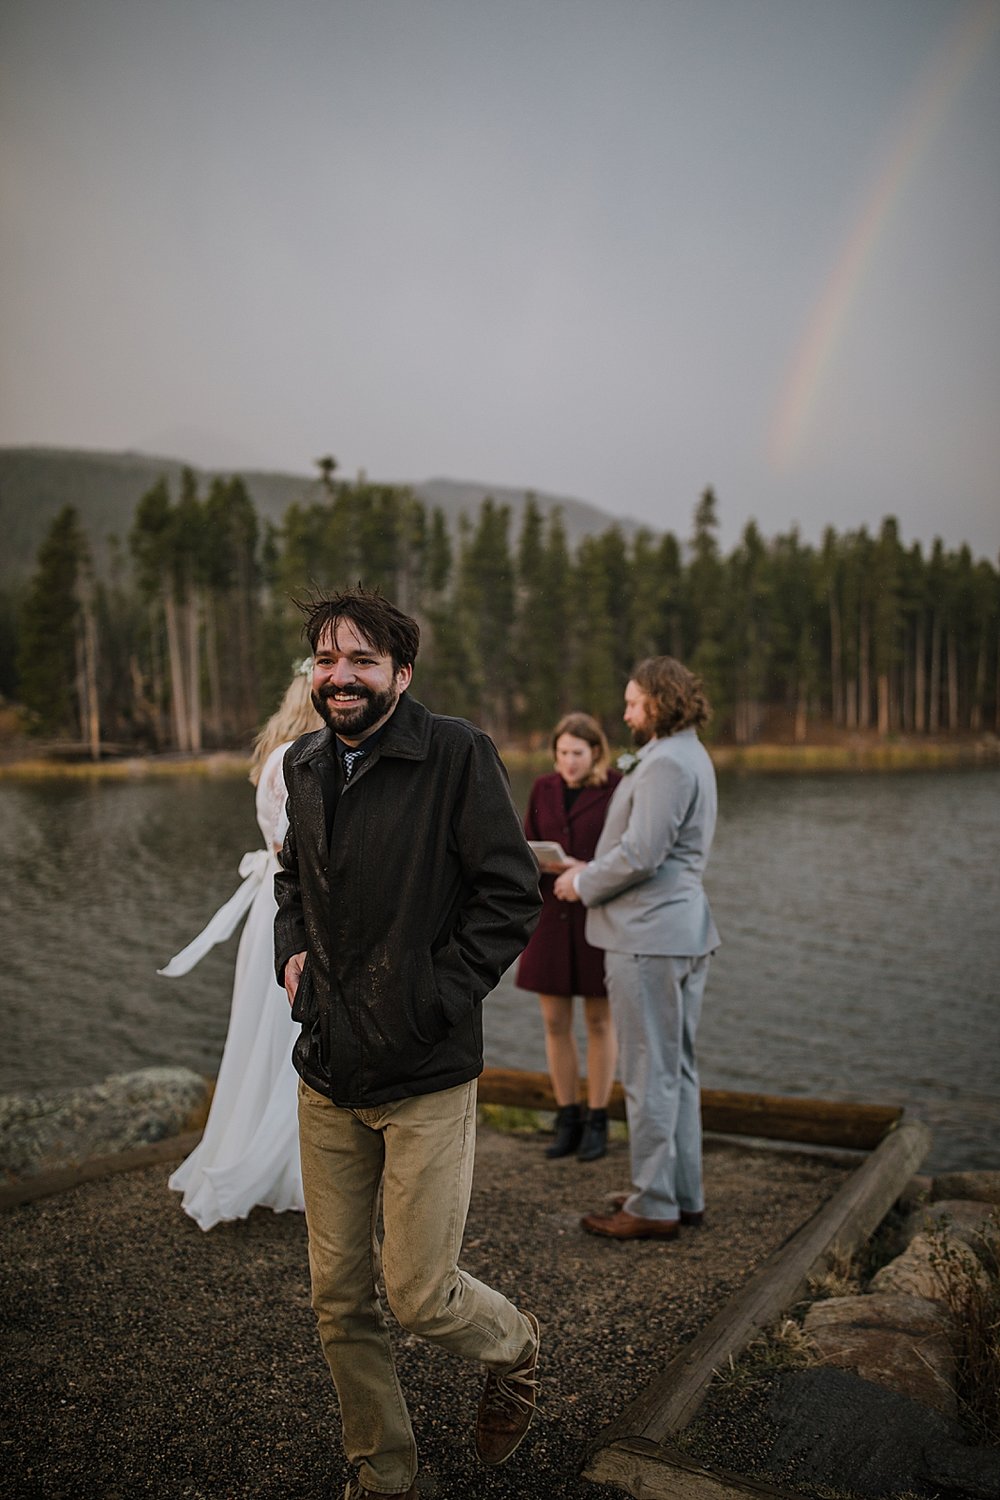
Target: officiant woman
<point>568,807</point>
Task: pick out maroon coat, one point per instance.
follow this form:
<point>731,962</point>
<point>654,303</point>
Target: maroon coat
<point>558,959</point>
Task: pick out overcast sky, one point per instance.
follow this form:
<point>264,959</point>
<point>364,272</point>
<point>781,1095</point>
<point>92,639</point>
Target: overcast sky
<point>613,249</point>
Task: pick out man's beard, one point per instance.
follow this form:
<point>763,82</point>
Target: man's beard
<point>353,720</point>
<point>641,736</point>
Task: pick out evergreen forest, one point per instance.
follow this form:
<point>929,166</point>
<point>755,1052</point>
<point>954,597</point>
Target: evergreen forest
<point>187,640</point>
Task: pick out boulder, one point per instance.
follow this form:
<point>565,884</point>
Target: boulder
<point>963,1219</point>
<point>834,1429</point>
<point>984,1187</point>
<point>918,1190</point>
<point>919,1272</point>
<point>43,1131</point>
<point>973,1472</point>
<point>900,1342</point>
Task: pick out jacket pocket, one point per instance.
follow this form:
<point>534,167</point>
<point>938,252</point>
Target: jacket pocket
<point>427,1017</point>
<point>304,1004</point>
<point>403,1009</point>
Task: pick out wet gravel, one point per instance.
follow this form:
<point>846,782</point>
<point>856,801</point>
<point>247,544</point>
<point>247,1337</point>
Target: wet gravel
<point>144,1357</point>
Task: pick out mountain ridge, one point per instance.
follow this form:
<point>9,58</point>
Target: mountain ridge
<point>105,486</point>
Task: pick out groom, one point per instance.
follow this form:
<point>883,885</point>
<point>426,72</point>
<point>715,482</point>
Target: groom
<point>648,911</point>
<point>406,890</point>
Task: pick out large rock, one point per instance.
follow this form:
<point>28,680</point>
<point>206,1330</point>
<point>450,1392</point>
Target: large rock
<point>832,1428</point>
<point>900,1342</point>
<point>958,1218</point>
<point>984,1187</point>
<point>973,1472</point>
<point>916,1191</point>
<point>920,1271</point>
<point>43,1131</point>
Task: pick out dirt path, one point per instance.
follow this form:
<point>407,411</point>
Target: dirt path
<point>144,1357</point>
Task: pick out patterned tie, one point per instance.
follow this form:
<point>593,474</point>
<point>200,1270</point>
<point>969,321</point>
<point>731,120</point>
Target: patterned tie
<point>351,758</point>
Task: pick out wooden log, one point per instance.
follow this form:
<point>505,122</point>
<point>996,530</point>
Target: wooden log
<point>672,1398</point>
<point>816,1122</point>
<point>657,1471</point>
<point>61,1179</point>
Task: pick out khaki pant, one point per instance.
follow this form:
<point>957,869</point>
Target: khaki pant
<point>421,1151</point>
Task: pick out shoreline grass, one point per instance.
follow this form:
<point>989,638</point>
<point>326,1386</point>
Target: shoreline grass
<point>896,753</point>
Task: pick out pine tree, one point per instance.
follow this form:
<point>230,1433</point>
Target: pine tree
<point>50,630</point>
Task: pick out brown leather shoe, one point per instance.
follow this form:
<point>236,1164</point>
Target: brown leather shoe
<point>690,1218</point>
<point>626,1226</point>
<point>507,1406</point>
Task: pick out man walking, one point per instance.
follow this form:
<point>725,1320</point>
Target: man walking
<point>648,911</point>
<point>406,890</point>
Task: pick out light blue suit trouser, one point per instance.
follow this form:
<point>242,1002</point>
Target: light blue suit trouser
<point>656,1003</point>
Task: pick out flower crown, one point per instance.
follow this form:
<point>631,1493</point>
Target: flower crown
<point>302,668</point>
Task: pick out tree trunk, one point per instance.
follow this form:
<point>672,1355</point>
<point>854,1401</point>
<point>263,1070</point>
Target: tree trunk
<point>851,704</point>
<point>143,711</point>
<point>864,685</point>
<point>244,715</point>
<point>883,703</point>
<point>212,669</point>
<point>952,680</point>
<point>156,670</point>
<point>979,691</point>
<point>934,713</point>
<point>836,662</point>
<point>801,712</point>
<point>178,697</point>
<point>92,714</point>
<point>919,678</point>
<point>193,613</point>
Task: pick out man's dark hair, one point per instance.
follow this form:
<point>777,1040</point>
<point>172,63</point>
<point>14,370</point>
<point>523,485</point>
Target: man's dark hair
<point>676,696</point>
<point>387,628</point>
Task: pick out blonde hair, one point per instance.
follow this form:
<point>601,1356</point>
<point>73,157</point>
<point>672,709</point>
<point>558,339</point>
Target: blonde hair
<point>582,727</point>
<point>295,715</point>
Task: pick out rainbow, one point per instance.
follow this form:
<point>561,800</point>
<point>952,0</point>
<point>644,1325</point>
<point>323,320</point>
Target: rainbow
<point>956,59</point>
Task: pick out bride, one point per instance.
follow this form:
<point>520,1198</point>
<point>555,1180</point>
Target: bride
<point>249,1152</point>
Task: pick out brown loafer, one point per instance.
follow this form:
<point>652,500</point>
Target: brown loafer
<point>690,1218</point>
<point>626,1226</point>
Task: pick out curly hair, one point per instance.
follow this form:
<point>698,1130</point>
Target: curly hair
<point>583,727</point>
<point>676,696</point>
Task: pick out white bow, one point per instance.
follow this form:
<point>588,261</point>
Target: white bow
<point>254,867</point>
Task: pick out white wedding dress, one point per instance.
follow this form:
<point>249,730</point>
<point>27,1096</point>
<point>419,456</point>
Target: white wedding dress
<point>249,1152</point>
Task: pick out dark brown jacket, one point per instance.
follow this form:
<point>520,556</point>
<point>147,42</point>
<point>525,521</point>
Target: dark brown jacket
<point>425,894</point>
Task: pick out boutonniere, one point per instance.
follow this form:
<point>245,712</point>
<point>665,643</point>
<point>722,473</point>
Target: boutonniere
<point>627,762</point>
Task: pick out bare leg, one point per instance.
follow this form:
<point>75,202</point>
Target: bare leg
<point>560,1047</point>
<point>602,1050</point>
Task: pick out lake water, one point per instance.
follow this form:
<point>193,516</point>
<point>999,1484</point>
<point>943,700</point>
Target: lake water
<point>860,918</point>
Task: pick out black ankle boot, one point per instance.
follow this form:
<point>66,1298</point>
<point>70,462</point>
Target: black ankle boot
<point>569,1129</point>
<point>594,1141</point>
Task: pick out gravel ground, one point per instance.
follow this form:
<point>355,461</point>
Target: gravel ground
<point>145,1357</point>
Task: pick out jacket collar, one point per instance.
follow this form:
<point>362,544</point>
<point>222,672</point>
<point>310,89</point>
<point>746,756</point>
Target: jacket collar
<point>407,736</point>
<point>651,746</point>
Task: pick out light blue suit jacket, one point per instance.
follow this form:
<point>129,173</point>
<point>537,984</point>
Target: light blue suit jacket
<point>643,888</point>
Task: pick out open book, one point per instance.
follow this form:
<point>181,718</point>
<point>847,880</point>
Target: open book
<point>550,855</point>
